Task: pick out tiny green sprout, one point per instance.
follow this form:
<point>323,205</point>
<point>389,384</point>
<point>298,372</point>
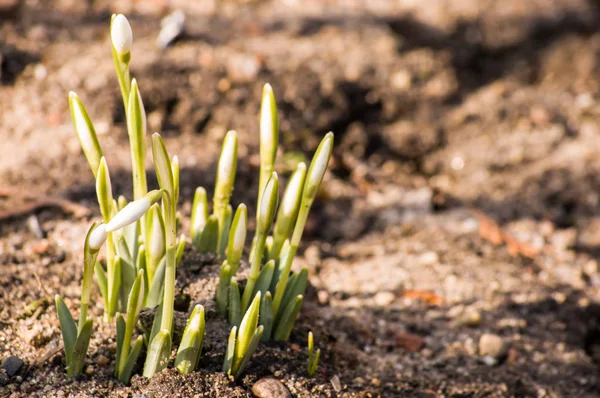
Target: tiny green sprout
<point>313,356</point>
<point>154,239</point>
<point>190,348</point>
<point>243,341</point>
<point>76,338</point>
<point>222,293</point>
<point>127,354</point>
<point>266,212</point>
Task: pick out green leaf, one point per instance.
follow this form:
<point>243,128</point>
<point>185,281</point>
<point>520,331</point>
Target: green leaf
<point>175,169</point>
<point>235,311</point>
<point>288,319</point>
<point>157,322</point>
<point>67,327</point>
<point>114,290</point>
<point>237,237</point>
<point>224,234</point>
<point>162,164</point>
<point>230,353</point>
<point>241,366</point>
<point>159,353</point>
<point>226,169</point>
<point>288,211</point>
<point>80,349</point>
<point>136,128</point>
<point>210,236</point>
<point>132,360</point>
<point>190,348</point>
<point>297,286</point>
<point>155,295</point>
<point>266,316</point>
<point>104,190</point>
<point>313,363</point>
<point>86,133</point>
<point>247,328</point>
<point>121,326</point>
<point>268,205</point>
<point>102,282</point>
<point>222,293</point>
<point>264,278</point>
<point>180,249</point>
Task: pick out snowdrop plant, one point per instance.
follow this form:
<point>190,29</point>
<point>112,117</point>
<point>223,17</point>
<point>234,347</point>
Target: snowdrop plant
<point>76,337</point>
<point>274,245</point>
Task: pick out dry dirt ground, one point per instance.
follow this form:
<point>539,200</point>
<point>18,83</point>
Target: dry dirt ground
<point>463,198</point>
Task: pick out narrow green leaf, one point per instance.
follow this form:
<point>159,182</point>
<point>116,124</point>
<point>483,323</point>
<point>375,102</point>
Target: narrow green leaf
<point>114,290</point>
<point>266,316</point>
<point>222,293</point>
<point>86,132</point>
<point>230,353</point>
<point>102,282</point>
<point>67,327</point>
<point>210,236</point>
<point>268,205</point>
<point>180,249</point>
<point>297,286</point>
<point>136,128</point>
<point>162,164</point>
<point>288,211</point>
<point>104,190</point>
<point>247,328</point>
<point>264,278</point>
<point>313,363</point>
<point>156,323</point>
<point>175,169</point>
<point>288,319</point>
<point>155,294</point>
<point>235,311</point>
<point>121,326</point>
<point>224,234</point>
<point>237,238</point>
<point>241,366</point>
<point>190,348</point>
<point>159,353</point>
<point>134,354</point>
<point>226,169</point>
<point>80,349</point>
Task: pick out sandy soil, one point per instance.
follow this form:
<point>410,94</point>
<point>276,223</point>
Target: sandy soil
<point>462,199</point>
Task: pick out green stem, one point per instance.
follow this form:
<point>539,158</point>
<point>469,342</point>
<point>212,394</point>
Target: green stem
<point>257,254</point>
<point>169,296</point>
<point>110,272</point>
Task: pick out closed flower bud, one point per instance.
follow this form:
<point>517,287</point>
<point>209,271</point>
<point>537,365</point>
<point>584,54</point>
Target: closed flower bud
<point>121,35</point>
<point>97,237</point>
<point>133,211</point>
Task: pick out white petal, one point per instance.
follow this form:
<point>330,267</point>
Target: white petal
<point>97,237</point>
<point>129,214</point>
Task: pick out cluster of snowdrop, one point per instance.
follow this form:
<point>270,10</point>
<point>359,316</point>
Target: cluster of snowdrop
<point>143,248</point>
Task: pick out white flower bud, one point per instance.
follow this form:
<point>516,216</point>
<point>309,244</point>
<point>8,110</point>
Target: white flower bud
<point>97,237</point>
<point>133,211</point>
<point>121,34</point>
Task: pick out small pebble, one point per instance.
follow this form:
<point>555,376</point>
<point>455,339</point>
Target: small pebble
<point>12,365</point>
<point>383,299</point>
<point>89,370</point>
<point>323,297</point>
<point>471,317</point>
<point>335,382</point>
<point>270,387</point>
<point>102,360</point>
<point>492,345</point>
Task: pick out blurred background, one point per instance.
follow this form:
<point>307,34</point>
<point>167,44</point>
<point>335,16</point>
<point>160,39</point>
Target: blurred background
<point>462,198</point>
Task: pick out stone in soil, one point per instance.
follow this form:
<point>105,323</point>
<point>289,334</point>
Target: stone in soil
<point>493,346</point>
<point>12,365</point>
<point>270,387</point>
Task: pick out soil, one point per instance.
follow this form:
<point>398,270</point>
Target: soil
<point>462,199</point>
